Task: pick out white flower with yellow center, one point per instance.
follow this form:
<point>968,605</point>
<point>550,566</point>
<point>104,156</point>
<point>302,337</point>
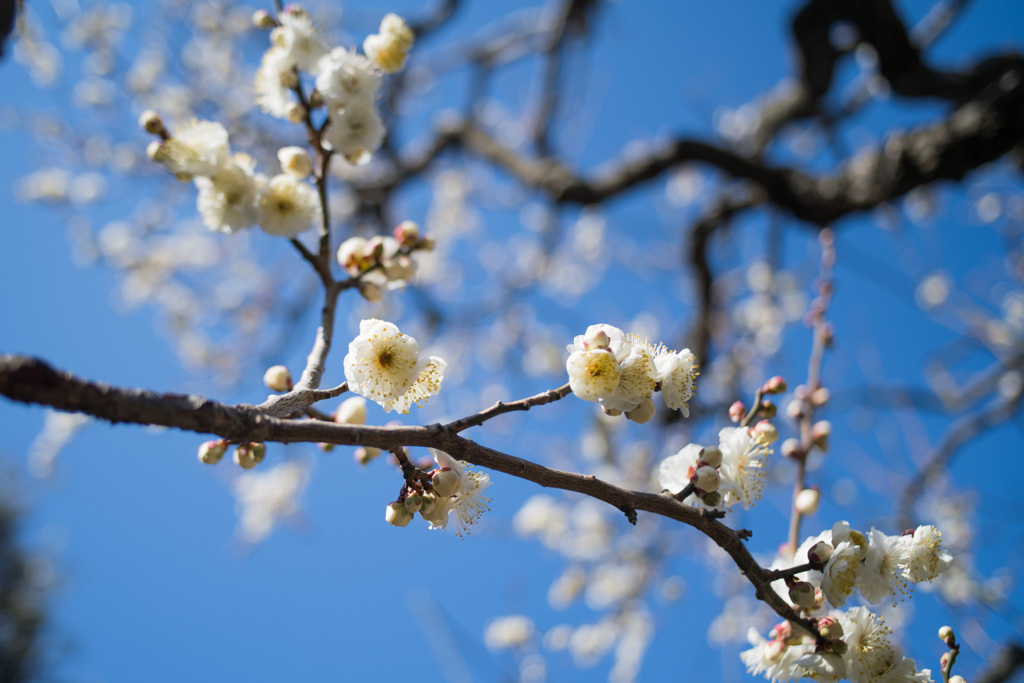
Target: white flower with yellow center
<point>274,81</point>
<point>743,466</point>
<point>355,131</point>
<point>199,148</point>
<point>637,378</point>
<point>298,38</point>
<point>390,46</point>
<point>594,362</point>
<point>287,206</point>
<point>464,507</point>
<point>227,201</point>
<point>384,366</point>
<point>677,373</point>
<point>344,77</point>
<point>870,652</point>
<point>884,566</point>
<point>927,558</point>
<point>842,573</point>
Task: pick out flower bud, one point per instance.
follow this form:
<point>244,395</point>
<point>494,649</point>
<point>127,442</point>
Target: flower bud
<point>210,452</point>
<point>737,411</point>
<point>802,594</point>
<point>807,501</point>
<point>706,479</point>
<point>277,378</point>
<point>413,502</point>
<point>765,432</point>
<point>262,19</point>
<point>397,515</point>
<point>352,411</point>
<point>295,113</point>
<point>598,339</point>
<point>819,553</point>
<point>956,678</point>
<point>712,499</point>
<point>364,455</point>
<point>710,456</point>
<point>802,392</point>
<point>156,151</point>
<point>791,448</point>
<point>767,409</point>
<point>295,161</point>
<point>820,431</point>
<point>371,291</point>
<point>796,409</point>
<point>375,248</point>
<point>446,482</point>
<point>151,122</point>
<point>352,255</point>
<point>782,631</point>
<point>643,412</point>
<point>820,396</point>
<point>326,447</point>
<point>427,243</point>
<point>947,636</point>
<point>776,385</point>
<point>830,628</point>
<point>407,233</point>
<point>773,650</point>
<point>610,412</point>
<point>248,455</point>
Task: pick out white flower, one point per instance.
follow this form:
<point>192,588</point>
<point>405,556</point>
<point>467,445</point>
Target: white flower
<point>465,507</point>
<point>295,161</point>
<point>298,39</point>
<point>743,466</point>
<point>199,148</point>
<point>355,132</point>
<point>274,80</point>
<point>593,375</point>
<point>384,366</point>
<point>227,201</point>
<point>344,77</point>
<point>870,652</point>
<point>287,206</point>
<point>637,379</point>
<point>841,573</point>
<point>389,48</point>
<point>927,558</point>
<point>677,373</point>
<point>605,337</point>
<point>776,659</point>
<point>884,566</point>
<point>508,632</point>
<point>675,471</point>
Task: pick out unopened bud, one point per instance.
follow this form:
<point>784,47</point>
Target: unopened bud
<point>295,161</point>
<point>802,594</point>
<point>277,378</point>
<point>397,515</point>
<point>819,553</point>
<point>706,479</point>
<point>802,392</point>
<point>712,499</point>
<point>767,409</point>
<point>828,334</point>
<point>210,452</point>
<point>830,628</point>
<point>807,501</point>
<point>326,447</point>
<point>791,448</point>
<point>413,502</point>
<point>446,482</point>
<point>776,385</point>
<point>371,291</point>
<point>820,396</point>
<point>352,411</point>
<point>364,455</point>
<point>737,411</point>
<point>643,412</point>
<point>375,248</point>
<point>262,19</point>
<point>427,243</point>
<point>765,432</point>
<point>956,678</point>
<point>407,233</point>
<point>295,113</point>
<point>610,412</point>
<point>598,339</point>
<point>820,431</point>
<point>796,409</point>
<point>781,631</point>
<point>151,122</point>
<point>248,455</point>
<point>710,456</point>
<point>944,660</point>
<point>947,636</point>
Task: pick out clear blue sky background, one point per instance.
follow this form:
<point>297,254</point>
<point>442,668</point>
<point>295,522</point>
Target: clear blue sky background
<point>150,585</point>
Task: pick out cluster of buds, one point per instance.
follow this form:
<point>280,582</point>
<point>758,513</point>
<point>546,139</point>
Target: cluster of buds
<point>946,661</point>
<point>246,456</point>
<point>450,491</point>
<point>383,262</point>
<point>705,477</point>
<point>832,631</point>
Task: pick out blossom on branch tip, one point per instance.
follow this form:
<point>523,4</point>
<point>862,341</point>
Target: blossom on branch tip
<point>467,502</point>
<point>385,366</point>
<point>227,200</point>
<point>287,206</point>
<point>743,466</point>
<point>389,47</point>
<point>926,558</point>
<point>277,378</point>
<point>344,77</point>
<point>199,148</point>
<point>677,375</point>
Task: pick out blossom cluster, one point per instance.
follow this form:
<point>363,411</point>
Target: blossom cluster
<point>383,262</point>
<point>453,492</point>
<point>622,372</point>
<point>842,560</point>
<point>732,472</point>
<point>385,366</point>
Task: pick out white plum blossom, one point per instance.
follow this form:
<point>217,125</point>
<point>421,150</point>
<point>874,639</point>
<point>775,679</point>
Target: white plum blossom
<point>287,206</point>
<point>199,148</point>
<point>355,132</point>
<point>227,201</point>
<point>926,557</point>
<point>593,374</point>
<point>776,658</point>
<point>390,46</point>
<point>677,374</point>
<point>675,471</point>
<point>871,655</point>
<point>298,39</point>
<point>637,379</point>
<point>344,77</point>
<point>884,567</point>
<point>385,366</point>
<point>468,503</point>
<point>743,466</point>
<point>842,573</point>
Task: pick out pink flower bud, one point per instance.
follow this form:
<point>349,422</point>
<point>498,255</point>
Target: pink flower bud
<point>407,233</point>
<point>820,432</point>
<point>776,385</point>
<point>737,411</point>
<point>819,553</point>
<point>791,448</point>
<point>765,432</point>
<point>947,636</point>
<point>767,409</point>
<point>796,409</point>
<point>210,452</point>
<point>820,396</point>
<point>830,628</point>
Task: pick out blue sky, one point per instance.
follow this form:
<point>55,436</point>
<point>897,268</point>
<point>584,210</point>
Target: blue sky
<point>151,583</point>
